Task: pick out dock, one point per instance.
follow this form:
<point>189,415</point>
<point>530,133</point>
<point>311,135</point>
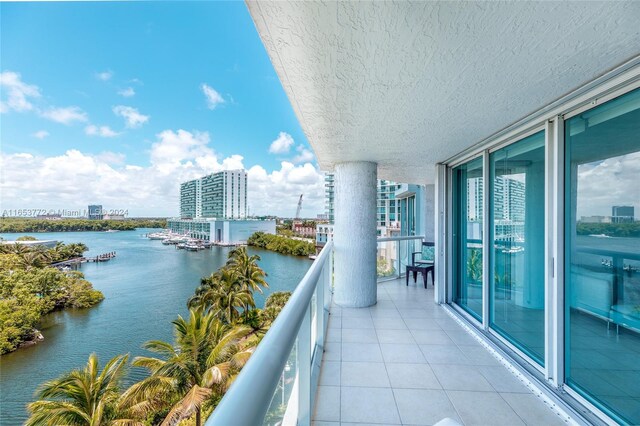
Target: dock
<point>76,261</point>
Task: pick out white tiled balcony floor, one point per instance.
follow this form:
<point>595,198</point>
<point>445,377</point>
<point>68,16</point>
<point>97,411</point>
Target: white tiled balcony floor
<point>405,361</point>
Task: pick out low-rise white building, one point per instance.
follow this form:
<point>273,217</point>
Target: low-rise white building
<point>221,231</point>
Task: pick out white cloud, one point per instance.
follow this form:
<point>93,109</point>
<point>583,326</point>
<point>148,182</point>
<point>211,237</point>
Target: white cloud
<point>304,155</point>
<point>66,115</point>
<point>111,157</point>
<point>612,182</point>
<point>104,75</point>
<point>103,131</point>
<point>282,145</point>
<point>40,134</point>
<point>18,92</point>
<point>75,179</point>
<point>132,117</point>
<point>278,192</point>
<point>127,92</point>
<point>213,97</point>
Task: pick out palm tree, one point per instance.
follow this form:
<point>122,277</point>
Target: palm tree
<point>34,259</point>
<point>224,294</point>
<point>82,397</point>
<point>16,248</point>
<point>58,252</point>
<point>250,274</point>
<point>200,364</point>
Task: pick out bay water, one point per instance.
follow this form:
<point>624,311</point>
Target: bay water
<point>146,286</point>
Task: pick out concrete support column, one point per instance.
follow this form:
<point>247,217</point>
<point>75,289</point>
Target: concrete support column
<point>428,228</point>
<point>354,235</point>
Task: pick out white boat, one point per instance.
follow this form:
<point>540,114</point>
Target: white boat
<point>112,230</point>
<point>191,247</point>
<point>158,236</point>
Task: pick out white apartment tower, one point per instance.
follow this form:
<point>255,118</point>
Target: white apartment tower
<point>221,195</point>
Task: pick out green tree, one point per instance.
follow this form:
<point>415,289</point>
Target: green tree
<point>246,267</point>
<point>224,294</point>
<point>82,397</point>
<point>197,368</point>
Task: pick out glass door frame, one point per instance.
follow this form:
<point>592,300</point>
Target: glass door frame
<point>484,325</point>
<point>449,296</point>
<point>551,118</point>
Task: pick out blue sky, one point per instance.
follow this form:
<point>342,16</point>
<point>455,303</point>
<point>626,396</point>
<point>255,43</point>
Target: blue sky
<point>111,101</point>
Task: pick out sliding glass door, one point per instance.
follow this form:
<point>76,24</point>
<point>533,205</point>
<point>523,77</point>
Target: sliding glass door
<point>602,256</point>
<point>516,223</point>
<point>468,195</point>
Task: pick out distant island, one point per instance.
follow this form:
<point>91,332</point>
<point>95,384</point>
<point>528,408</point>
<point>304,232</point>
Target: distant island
<point>626,230</point>
<point>68,225</point>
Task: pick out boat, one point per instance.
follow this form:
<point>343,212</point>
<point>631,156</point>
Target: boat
<point>112,230</point>
<point>158,236</point>
<point>599,235</point>
<point>181,246</point>
<point>166,241</point>
<point>191,247</point>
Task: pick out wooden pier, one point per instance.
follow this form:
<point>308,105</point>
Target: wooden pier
<point>76,261</point>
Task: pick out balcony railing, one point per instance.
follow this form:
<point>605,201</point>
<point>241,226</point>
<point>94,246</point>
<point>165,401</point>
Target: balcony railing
<point>278,384</point>
<point>394,254</point>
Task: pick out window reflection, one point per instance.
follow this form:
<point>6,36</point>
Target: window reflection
<point>517,232</point>
<point>603,256</point>
<point>467,229</point>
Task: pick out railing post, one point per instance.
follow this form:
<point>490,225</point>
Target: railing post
<point>304,370</point>
<point>320,307</point>
<point>399,267</point>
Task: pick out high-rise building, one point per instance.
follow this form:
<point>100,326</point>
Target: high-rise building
<point>189,199</point>
<point>94,212</point>
<point>221,195</point>
<point>329,196</point>
<point>508,199</point>
<point>388,208</point>
<point>388,215</point>
<point>622,214</point>
<point>475,194</point>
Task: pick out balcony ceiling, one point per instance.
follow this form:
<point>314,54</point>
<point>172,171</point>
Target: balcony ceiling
<point>407,85</point>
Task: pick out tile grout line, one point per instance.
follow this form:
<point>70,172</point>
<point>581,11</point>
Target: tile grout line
<point>438,380</point>
<point>521,377</point>
<point>393,394</point>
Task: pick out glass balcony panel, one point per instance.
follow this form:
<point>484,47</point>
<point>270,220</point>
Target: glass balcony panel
<point>282,396</point>
<point>387,263</point>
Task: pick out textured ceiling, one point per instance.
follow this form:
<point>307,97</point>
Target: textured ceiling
<point>409,84</point>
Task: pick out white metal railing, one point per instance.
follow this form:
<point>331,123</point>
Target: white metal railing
<point>394,254</point>
<point>277,385</point>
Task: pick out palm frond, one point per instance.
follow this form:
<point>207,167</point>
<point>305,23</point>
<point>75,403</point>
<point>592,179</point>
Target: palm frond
<point>191,402</point>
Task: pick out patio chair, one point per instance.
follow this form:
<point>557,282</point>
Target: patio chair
<point>424,263</point>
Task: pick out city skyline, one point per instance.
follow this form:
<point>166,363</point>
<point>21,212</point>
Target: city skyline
<point>104,126</point>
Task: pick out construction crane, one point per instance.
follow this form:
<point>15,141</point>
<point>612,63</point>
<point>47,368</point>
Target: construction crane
<point>299,207</point>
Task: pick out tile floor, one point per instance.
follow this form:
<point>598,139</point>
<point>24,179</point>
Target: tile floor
<point>404,361</point>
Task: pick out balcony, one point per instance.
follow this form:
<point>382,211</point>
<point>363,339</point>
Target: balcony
<point>406,360</point>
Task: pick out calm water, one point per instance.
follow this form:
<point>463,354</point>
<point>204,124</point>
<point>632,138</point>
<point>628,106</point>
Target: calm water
<point>146,286</point>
